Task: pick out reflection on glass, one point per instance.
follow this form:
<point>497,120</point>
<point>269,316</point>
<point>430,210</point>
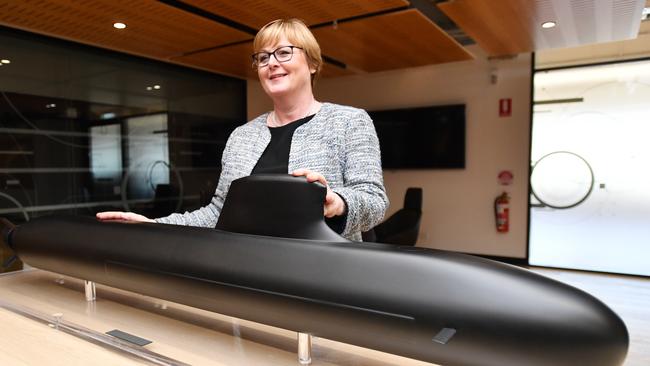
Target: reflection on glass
<point>105,153</point>
<point>81,133</point>
<point>146,150</point>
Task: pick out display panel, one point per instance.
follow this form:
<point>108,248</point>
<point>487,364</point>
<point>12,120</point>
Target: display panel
<point>422,138</point>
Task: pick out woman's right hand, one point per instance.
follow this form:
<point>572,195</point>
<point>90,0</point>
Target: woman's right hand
<point>122,216</point>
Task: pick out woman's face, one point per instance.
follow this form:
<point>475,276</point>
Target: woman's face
<point>285,78</point>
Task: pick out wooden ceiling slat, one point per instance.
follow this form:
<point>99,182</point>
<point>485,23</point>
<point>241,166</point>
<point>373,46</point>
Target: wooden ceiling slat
<point>503,27</point>
<point>232,60</point>
<point>256,13</point>
<point>332,71</point>
<point>153,29</point>
<point>236,61</point>
<point>390,41</point>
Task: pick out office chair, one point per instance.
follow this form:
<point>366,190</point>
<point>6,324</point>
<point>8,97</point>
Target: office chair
<point>403,227</point>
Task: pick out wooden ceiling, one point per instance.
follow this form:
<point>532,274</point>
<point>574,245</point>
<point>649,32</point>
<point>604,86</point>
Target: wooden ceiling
<point>356,36</point>
<point>509,27</point>
<point>256,13</point>
<point>216,35</point>
<point>154,29</point>
<point>379,43</point>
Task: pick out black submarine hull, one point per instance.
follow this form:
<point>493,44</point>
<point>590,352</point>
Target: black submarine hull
<point>389,298</point>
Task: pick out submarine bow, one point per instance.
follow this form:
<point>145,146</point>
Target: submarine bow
<point>431,305</point>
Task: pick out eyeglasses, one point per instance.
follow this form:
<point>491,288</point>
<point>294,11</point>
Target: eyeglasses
<point>281,54</point>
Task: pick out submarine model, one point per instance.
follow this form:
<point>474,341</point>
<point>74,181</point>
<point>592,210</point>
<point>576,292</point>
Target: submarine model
<point>272,259</point>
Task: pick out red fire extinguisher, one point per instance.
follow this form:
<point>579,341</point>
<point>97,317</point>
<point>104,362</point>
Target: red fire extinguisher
<point>501,212</point>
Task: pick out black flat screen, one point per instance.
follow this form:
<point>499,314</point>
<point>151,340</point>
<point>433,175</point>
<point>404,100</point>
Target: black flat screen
<point>422,138</point>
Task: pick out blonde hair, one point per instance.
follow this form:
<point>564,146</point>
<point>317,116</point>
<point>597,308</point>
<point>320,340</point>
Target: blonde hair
<point>295,32</point>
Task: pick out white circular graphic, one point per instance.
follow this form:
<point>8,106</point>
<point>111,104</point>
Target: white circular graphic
<point>561,180</point>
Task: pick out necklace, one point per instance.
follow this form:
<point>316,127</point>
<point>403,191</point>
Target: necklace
<point>313,108</point>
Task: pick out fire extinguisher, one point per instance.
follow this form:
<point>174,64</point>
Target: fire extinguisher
<point>501,212</point>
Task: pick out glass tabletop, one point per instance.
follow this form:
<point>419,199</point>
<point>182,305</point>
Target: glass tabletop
<point>178,334</point>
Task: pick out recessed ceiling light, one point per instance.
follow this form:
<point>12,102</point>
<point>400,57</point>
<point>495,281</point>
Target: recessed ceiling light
<point>549,24</point>
<point>119,25</point>
<point>156,87</point>
<point>5,61</point>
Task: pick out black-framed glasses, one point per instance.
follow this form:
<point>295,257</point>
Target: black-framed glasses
<point>281,54</point>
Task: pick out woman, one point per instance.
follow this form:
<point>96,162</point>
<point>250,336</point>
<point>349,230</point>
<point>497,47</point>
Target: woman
<point>332,144</point>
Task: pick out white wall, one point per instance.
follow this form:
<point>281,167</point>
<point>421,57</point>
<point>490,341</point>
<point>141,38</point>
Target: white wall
<point>458,204</point>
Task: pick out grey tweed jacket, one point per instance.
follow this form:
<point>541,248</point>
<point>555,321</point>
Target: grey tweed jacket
<point>339,142</point>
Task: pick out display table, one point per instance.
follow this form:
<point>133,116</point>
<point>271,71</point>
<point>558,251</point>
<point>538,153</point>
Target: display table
<point>46,320</point>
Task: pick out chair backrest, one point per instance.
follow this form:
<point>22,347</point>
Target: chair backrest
<point>165,200</point>
<point>403,227</point>
<point>413,198</point>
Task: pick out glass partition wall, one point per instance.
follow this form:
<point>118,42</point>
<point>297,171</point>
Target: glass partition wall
<point>591,203</point>
<point>84,130</point>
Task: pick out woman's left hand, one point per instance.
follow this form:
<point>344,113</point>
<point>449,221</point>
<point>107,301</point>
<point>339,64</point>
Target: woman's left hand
<point>334,204</point>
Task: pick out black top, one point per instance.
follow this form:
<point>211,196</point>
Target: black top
<point>275,159</point>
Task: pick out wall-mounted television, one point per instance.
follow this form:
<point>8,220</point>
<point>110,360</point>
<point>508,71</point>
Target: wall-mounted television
<point>422,138</point>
